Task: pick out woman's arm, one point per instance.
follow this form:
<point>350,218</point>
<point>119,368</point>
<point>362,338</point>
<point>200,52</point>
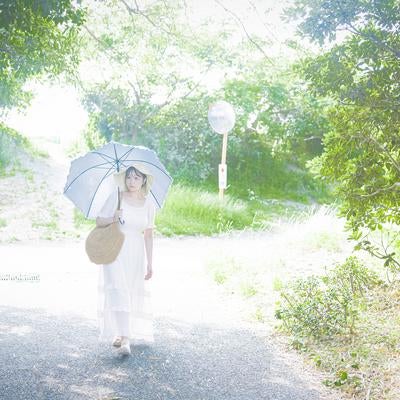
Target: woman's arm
<point>148,242</point>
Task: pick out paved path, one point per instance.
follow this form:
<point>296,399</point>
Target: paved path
<point>203,348</point>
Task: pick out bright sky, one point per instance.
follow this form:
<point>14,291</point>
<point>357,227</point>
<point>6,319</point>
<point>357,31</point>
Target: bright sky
<point>55,113</point>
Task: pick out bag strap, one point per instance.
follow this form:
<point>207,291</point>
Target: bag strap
<point>119,206</point>
<point>119,200</point>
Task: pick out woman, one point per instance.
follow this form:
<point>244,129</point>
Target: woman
<point>124,307</point>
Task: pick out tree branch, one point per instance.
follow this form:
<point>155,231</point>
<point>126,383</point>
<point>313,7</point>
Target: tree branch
<point>372,106</point>
<point>385,150</point>
<point>169,97</point>
<point>267,28</point>
<point>374,39</point>
<point>394,186</point>
<point>138,11</point>
<point>115,55</point>
<point>246,33</point>
<point>135,92</point>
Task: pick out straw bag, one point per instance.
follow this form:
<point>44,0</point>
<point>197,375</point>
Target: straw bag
<point>104,243</point>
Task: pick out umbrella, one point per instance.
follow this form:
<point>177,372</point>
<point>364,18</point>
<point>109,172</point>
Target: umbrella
<point>90,179</point>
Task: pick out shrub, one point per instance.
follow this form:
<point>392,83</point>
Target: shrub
<point>325,305</point>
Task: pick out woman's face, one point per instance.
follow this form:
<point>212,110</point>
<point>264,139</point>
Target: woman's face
<point>134,182</point>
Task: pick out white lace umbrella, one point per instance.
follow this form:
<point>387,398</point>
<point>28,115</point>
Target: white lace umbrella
<point>90,180</point>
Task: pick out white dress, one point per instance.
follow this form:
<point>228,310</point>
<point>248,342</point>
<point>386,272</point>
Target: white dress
<point>124,298</point>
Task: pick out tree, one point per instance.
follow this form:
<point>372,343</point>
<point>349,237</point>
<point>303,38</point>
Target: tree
<point>149,87</point>
<point>145,58</point>
<point>362,74</point>
<point>36,37</point>
<point>150,81</point>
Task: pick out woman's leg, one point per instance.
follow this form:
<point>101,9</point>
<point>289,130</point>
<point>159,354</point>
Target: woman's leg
<point>122,323</point>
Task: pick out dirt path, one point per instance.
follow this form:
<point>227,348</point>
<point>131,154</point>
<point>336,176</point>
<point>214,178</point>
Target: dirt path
<point>32,207</point>
<point>204,347</point>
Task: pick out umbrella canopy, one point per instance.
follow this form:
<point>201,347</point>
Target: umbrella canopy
<point>90,180</point>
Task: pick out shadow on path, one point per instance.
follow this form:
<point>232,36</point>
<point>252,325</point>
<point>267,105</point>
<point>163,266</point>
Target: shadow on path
<point>58,357</point>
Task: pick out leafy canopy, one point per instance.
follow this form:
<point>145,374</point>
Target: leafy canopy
<point>36,37</point>
<point>362,74</point>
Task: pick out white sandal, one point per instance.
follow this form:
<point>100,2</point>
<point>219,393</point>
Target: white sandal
<point>125,348</point>
<point>117,341</point>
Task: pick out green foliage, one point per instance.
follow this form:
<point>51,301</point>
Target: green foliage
<point>361,74</point>
<point>81,222</point>
<point>382,243</point>
<point>153,59</point>
<point>193,211</point>
<point>325,305</point>
<point>321,20</point>
<point>154,93</point>
<point>364,364</point>
<point>11,143</point>
<point>184,140</point>
<point>279,126</point>
<point>36,37</point>
<point>275,110</point>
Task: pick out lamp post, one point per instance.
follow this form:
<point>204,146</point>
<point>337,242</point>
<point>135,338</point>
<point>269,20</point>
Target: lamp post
<point>221,117</point>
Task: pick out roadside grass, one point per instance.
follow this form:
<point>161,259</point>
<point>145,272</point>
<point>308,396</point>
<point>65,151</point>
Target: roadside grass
<point>237,278</point>
<point>191,211</point>
<point>234,276</point>
<point>46,222</point>
<point>12,145</point>
<point>365,364</point>
<point>81,223</point>
<point>256,270</point>
<point>318,229</point>
<point>276,179</point>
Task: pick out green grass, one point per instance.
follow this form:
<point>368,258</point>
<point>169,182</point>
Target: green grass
<point>190,211</point>
<point>224,271</point>
<point>237,278</point>
<point>49,225</point>
<point>365,364</point>
<point>274,180</point>
<point>194,211</point>
<point>13,145</point>
<point>82,223</point>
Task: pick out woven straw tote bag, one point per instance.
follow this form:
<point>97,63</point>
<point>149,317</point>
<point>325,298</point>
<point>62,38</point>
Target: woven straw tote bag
<point>104,243</point>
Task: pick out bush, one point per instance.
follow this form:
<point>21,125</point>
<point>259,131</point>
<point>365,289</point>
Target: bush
<point>325,305</point>
<point>10,141</point>
<point>12,144</point>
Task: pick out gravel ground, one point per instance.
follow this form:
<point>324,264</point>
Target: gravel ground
<point>204,348</point>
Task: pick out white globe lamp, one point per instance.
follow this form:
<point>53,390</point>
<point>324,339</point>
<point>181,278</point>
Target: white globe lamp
<point>221,117</point>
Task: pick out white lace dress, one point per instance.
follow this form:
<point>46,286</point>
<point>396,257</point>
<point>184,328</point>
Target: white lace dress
<point>124,297</point>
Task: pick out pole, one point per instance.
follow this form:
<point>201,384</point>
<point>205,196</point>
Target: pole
<point>223,161</point>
